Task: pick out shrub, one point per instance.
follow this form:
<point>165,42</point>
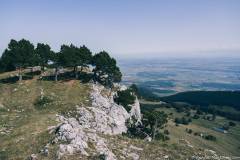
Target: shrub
<point>196,134</point>
<point>189,131</point>
<point>125,98</point>
<point>182,120</point>
<point>210,137</point>
<point>41,102</point>
<point>166,132</point>
<point>232,124</point>
<point>196,116</point>
<point>161,136</point>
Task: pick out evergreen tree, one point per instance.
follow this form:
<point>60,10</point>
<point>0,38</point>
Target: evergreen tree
<point>18,55</point>
<point>72,56</point>
<point>155,120</point>
<point>106,70</point>
<point>44,54</point>
<point>6,62</point>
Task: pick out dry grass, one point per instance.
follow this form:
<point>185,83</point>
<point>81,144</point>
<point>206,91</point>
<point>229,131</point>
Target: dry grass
<point>23,127</point>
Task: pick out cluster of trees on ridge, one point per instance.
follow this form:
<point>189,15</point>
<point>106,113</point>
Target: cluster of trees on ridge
<point>21,54</point>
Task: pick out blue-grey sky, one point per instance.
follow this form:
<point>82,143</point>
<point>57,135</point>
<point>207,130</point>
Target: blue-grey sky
<point>126,27</point>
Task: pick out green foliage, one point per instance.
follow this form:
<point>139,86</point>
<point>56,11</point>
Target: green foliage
<point>125,98</point>
<point>232,124</point>
<point>19,54</point>
<point>136,131</point>
<point>106,70</point>
<point>44,54</point>
<point>166,132</point>
<point>72,56</point>
<point>3,155</point>
<point>182,120</point>
<point>206,98</point>
<point>196,116</point>
<point>189,131</point>
<point>210,137</point>
<point>41,102</point>
<point>162,137</point>
<point>223,103</point>
<point>155,120</point>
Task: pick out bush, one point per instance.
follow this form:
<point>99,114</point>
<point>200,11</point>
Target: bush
<point>166,132</point>
<point>189,131</point>
<point>41,102</point>
<point>232,124</point>
<point>196,134</point>
<point>210,137</point>
<point>196,116</point>
<point>125,98</point>
<point>182,120</point>
<point>160,136</point>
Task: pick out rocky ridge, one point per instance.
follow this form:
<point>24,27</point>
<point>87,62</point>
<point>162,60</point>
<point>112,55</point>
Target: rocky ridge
<point>103,117</point>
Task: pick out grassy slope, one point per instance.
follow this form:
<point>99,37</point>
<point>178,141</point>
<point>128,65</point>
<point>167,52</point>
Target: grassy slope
<point>226,144</point>
<point>27,124</point>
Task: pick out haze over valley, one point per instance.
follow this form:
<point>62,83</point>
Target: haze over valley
<point>166,76</point>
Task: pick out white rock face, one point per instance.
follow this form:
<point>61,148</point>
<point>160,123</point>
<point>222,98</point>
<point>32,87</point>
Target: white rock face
<point>1,106</point>
<point>109,116</point>
<point>135,111</point>
<point>104,116</point>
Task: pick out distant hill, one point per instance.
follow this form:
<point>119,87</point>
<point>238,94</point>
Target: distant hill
<point>206,98</point>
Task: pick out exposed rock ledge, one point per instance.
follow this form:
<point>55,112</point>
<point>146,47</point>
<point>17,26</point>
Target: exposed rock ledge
<point>104,116</point>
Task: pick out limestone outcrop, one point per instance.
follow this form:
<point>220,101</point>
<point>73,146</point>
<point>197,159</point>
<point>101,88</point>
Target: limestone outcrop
<point>102,117</point>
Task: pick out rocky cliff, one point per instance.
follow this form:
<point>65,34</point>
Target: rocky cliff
<point>102,117</point>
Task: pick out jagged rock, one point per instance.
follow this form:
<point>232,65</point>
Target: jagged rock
<point>33,157</point>
<point>120,87</point>
<point>135,148</point>
<point>148,139</point>
<point>109,116</point>
<point>104,116</point>
<point>135,112</point>
<point>166,157</point>
<point>134,156</point>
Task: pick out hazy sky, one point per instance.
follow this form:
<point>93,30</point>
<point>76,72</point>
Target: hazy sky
<point>126,27</point>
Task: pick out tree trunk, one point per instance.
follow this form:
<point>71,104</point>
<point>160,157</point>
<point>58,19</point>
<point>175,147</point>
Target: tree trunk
<point>56,74</point>
<point>94,77</point>
<point>76,72</point>
<point>110,92</point>
<point>154,128</point>
<point>42,68</point>
<point>81,69</point>
<point>20,74</point>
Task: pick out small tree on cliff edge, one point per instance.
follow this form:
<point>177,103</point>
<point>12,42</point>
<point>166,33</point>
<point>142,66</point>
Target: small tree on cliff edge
<point>106,70</point>
<point>155,120</point>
